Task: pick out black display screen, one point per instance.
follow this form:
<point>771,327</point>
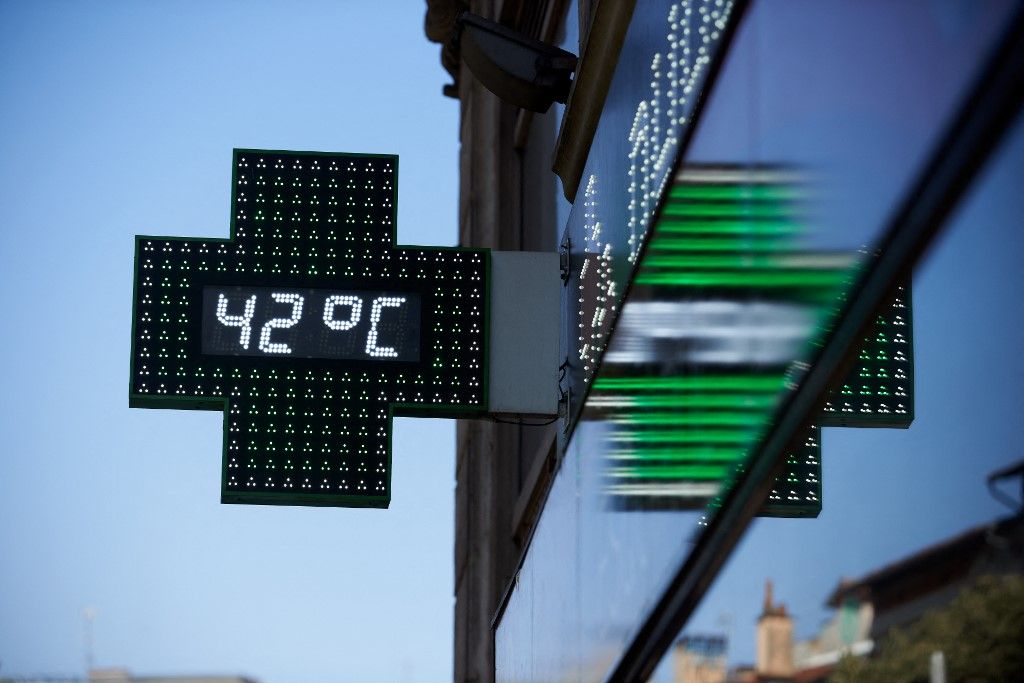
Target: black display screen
<point>311,323</point>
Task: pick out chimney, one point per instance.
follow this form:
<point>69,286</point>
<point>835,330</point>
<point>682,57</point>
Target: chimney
<point>774,640</point>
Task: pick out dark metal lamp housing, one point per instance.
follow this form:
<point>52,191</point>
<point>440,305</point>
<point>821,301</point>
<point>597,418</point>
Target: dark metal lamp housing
<point>518,69</point>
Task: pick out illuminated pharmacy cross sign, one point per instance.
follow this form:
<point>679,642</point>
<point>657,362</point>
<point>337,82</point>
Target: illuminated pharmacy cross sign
<point>310,328</point>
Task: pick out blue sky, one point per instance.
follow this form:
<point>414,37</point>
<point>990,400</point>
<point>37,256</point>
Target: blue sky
<point>119,119</point>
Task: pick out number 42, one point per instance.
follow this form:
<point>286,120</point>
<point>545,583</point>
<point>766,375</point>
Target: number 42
<point>332,302</point>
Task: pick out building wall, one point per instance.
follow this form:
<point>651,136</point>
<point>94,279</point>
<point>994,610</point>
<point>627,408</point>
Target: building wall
<point>775,646</point>
<point>507,201</point>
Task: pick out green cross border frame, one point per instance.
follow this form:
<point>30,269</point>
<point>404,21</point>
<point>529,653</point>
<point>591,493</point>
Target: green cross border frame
<point>302,431</point>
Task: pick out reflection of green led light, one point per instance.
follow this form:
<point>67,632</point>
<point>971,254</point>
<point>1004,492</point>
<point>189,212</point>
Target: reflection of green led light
<point>670,225</point>
<point>736,193</point>
<point>738,259</point>
<point>706,454</point>
<point>731,210</point>
<point>806,278</point>
<point>732,244</point>
<point>691,472</point>
<point>733,402</point>
<point>679,437</point>
<point>687,419</point>
<point>770,383</point>
<point>708,436</point>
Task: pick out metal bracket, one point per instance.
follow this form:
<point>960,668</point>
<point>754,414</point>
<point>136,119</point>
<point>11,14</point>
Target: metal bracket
<point>563,258</point>
<point>563,409</point>
<point>524,334</point>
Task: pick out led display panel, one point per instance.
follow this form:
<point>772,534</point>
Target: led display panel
<point>310,328</point>
<point>797,491</point>
<point>311,323</point>
<point>878,391</point>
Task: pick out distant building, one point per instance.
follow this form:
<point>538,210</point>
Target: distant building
<point>115,675</point>
<point>108,676</point>
<point>774,641</point>
<point>847,631</point>
<point>893,596</point>
<point>699,659</point>
<point>899,593</point>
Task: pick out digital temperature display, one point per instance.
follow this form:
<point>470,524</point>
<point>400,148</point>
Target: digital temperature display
<point>311,323</point>
<point>309,328</point>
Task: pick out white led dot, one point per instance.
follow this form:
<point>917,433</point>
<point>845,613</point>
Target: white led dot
<point>296,300</point>
<point>243,321</point>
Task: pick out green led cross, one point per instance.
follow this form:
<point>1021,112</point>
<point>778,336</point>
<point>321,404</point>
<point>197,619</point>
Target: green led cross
<point>305,423</point>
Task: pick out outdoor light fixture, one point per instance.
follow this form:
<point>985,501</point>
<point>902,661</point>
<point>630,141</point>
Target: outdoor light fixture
<point>518,69</point>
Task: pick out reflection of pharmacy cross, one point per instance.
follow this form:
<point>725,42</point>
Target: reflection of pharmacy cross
<point>308,422</point>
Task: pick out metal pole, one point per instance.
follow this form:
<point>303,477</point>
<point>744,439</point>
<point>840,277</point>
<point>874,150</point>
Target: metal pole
<point>937,668</point>
<point>88,616</point>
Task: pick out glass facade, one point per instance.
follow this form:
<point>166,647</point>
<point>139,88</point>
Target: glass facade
<point>747,168</point>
